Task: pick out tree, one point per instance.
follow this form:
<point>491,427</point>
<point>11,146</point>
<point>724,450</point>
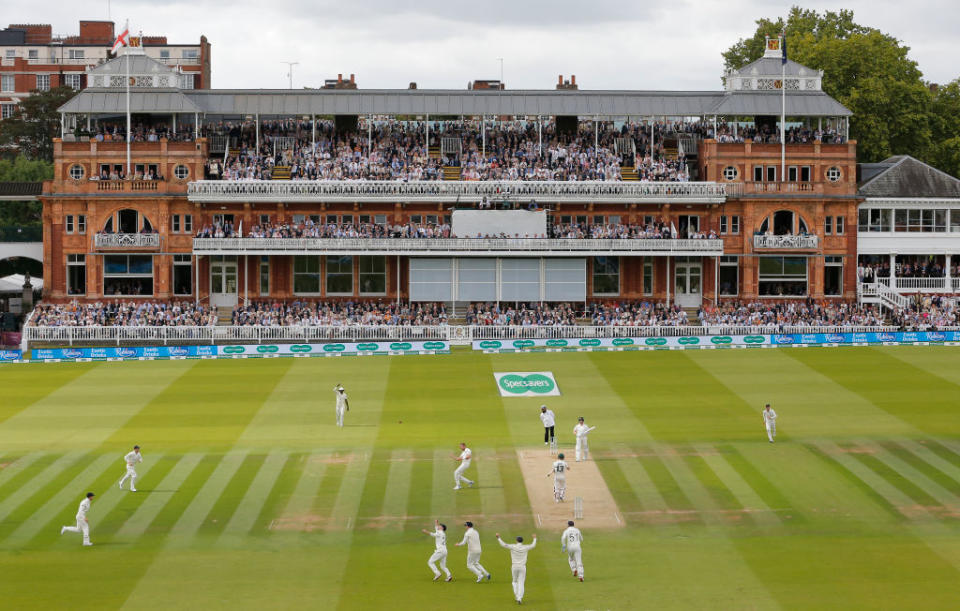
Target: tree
<point>35,123</point>
<point>21,169</point>
<point>866,70</point>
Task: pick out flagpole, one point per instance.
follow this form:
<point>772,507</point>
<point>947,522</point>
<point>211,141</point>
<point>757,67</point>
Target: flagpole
<point>783,110</point>
<point>129,134</point>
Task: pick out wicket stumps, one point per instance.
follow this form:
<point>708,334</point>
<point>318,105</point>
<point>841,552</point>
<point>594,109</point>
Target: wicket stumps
<point>553,445</point>
<point>578,508</point>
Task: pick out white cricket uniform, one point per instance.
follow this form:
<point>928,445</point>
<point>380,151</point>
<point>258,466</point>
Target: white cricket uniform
<point>341,396</point>
<point>571,540</point>
<point>132,459</point>
<point>471,539</point>
<point>560,479</point>
<point>82,525</point>
<point>518,554</point>
<point>440,553</point>
<point>583,448</point>
<point>770,421</point>
<point>458,477</point>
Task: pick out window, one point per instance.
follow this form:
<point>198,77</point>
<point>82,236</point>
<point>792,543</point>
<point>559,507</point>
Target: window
<point>181,172</point>
<point>380,219</point>
<point>7,83</point>
<point>805,173</point>
<point>364,219</point>
<point>647,277</point>
<point>306,275</point>
<point>771,173</point>
<point>127,275</point>
<point>264,275</point>
<point>729,225</point>
<point>182,275</point>
<point>758,173</point>
<point>955,220</point>
<point>11,54</point>
<point>76,53</point>
<point>6,110</point>
<point>33,54</point>
<point>606,275</point>
<point>613,219</point>
<point>43,82</point>
<point>175,223</point>
<point>81,223</point>
<point>164,53</point>
<point>834,174</point>
<point>76,274</point>
<point>68,223</point>
<point>414,218</point>
<point>833,276</point>
<point>340,275</point>
<point>873,219</point>
<point>728,278</point>
<point>793,173</point>
<point>265,219</point>
<point>76,171</point>
<point>373,275</point>
<point>186,81</point>
<point>730,173</point>
<point>838,226</point>
<point>347,219</point>
<point>828,225</point>
<point>72,81</point>
<point>916,220</point>
<point>599,220</point>
<point>783,276</point>
<point>189,54</point>
<point>188,223</point>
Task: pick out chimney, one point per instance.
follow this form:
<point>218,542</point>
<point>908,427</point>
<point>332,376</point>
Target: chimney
<point>413,85</point>
<point>339,79</point>
<point>351,78</point>
<point>559,79</point>
<point>573,79</point>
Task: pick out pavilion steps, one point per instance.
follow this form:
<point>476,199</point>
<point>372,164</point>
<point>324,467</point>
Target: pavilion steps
<point>434,151</point>
<point>224,316</point>
<point>692,316</point>
<point>671,153</point>
<point>451,172</point>
<point>280,172</point>
<point>629,173</point>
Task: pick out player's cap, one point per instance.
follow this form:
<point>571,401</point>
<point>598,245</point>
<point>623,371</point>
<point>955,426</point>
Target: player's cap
<point>580,418</point>
<point>543,407</point>
<point>90,495</point>
<point>519,539</point>
<point>443,526</point>
<point>136,447</point>
<point>470,524</point>
<point>569,522</point>
<point>560,455</point>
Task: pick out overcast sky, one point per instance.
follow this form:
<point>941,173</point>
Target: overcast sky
<point>608,44</point>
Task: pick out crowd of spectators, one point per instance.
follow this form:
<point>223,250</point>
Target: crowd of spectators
<point>537,314</point>
<point>338,313</point>
<point>770,134</point>
<point>631,231</point>
<point>637,314</point>
<point>927,312</point>
<point>123,313</point>
<point>920,267</point>
<point>800,313</point>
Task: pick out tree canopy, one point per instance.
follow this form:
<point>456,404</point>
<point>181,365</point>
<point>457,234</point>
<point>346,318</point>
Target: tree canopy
<point>35,123</point>
<point>895,111</point>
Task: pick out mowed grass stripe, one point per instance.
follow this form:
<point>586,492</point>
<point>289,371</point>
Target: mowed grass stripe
<point>279,495</point>
<point>443,503</point>
<point>256,495</point>
<point>830,454</point>
<point>891,475</point>
<point>130,502</point>
<point>663,479</point>
<point>67,495</point>
<point>158,496</point>
<point>923,477</point>
<point>18,396</point>
<point>924,450</point>
<point>30,487</point>
<point>514,488</point>
<point>347,503</point>
<point>328,490</point>
<point>722,496</point>
<point>22,470</point>
<point>760,483</point>
<point>187,492</point>
<point>946,450</point>
<point>761,513</point>
<point>230,498</point>
<point>301,500</point>
<point>375,485</point>
<point>623,493</point>
<point>398,484</point>
<point>191,519</point>
<point>420,495</point>
<point>702,500</point>
<point>491,493</point>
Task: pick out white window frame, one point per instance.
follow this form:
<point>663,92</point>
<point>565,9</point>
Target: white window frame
<point>181,261</point>
<point>361,274</point>
<point>82,224</point>
<point>327,274</point>
<point>264,273</point>
<point>8,82</point>
<point>43,82</point>
<point>727,261</point>
<point>68,224</point>
<point>318,273</point>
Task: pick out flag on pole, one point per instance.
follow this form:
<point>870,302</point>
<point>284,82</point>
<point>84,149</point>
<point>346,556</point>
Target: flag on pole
<point>123,40</point>
<point>783,48</point>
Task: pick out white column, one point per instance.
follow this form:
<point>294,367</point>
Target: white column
<point>369,134</point>
<point>174,124</point>
<point>246,279</point>
<point>313,133</point>
<point>196,125</point>
<point>596,134</point>
<point>196,280</point>
<point>63,124</point>
<point>398,281</point>
<point>256,118</point>
<point>428,135</point>
<point>483,131</point>
<point>893,272</point>
<point>540,135</point>
<point>651,137</point>
<point>668,281</point>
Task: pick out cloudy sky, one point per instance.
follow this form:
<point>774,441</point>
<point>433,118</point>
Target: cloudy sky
<point>608,44</point>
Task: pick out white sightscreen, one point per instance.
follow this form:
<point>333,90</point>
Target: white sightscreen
<point>512,223</point>
<point>519,279</point>
<point>477,280</point>
<point>565,279</point>
<point>431,279</point>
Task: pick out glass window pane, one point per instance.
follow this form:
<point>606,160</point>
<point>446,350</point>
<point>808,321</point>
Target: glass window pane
<point>115,264</point>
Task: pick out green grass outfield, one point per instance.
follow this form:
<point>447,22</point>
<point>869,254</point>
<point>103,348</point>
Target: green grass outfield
<point>251,498</point>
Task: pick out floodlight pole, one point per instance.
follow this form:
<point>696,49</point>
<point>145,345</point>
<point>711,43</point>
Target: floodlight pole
<point>290,66</point>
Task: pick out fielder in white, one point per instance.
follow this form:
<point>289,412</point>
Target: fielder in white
<point>518,555</point>
<point>559,473</point>
<point>343,404</point>
<point>770,421</point>
<point>570,542</point>
<point>439,535</point>
<point>132,459</point>
<point>464,459</point>
<point>581,431</point>
<point>83,526</point>
<point>472,540</point>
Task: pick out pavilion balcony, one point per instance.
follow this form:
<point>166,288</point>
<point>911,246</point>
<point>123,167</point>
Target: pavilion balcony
<point>464,247</point>
<point>459,191</point>
<point>785,242</point>
<point>126,240</point>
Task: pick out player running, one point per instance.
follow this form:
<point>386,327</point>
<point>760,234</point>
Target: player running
<point>770,421</point>
<point>559,473</point>
<point>132,459</point>
<point>581,431</point>
<point>570,542</point>
<point>440,553</point>
<point>472,540</point>
<point>464,459</point>
<point>343,404</point>
<point>83,526</point>
<point>518,555</point>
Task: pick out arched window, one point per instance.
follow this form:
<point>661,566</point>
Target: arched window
<point>784,222</point>
<point>128,220</point>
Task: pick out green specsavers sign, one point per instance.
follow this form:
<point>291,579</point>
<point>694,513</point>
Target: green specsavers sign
<point>526,384</point>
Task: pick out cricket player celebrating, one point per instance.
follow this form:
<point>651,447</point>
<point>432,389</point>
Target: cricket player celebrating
<point>464,459</point>
<point>83,526</point>
<point>132,459</point>
<point>472,540</point>
<point>581,431</point>
<point>518,554</point>
<point>770,421</point>
<point>559,473</point>
<point>570,542</point>
<point>343,404</point>
<point>440,553</point>
<point>547,417</point>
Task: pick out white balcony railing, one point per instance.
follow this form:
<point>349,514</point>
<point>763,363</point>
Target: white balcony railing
<point>785,242</point>
<point>920,285</point>
<point>458,191</point>
<point>126,240</point>
<point>462,246</point>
